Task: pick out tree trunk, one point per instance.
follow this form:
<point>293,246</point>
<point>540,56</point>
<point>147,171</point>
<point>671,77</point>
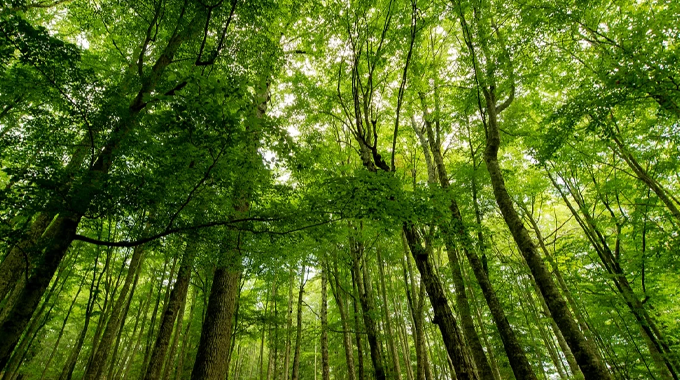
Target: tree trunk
<point>213,349</point>
<point>325,367</point>
<point>61,331</point>
<point>360,275</point>
<point>518,361</point>
<point>170,314</point>
<point>342,309</point>
<point>443,316</point>
<point>388,323</point>
<point>186,338</point>
<point>298,330</point>
<point>357,332</point>
<point>289,325</point>
<point>584,352</point>
<point>101,356</point>
<point>58,237</point>
<point>70,365</point>
<point>19,260</point>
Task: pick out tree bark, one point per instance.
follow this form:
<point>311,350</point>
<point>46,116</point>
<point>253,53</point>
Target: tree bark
<point>388,323</point>
<point>342,309</point>
<point>443,316</point>
<point>298,330</point>
<point>518,361</point>
<point>360,275</point>
<point>584,352</point>
<point>170,314</point>
<point>289,325</point>
<point>325,366</point>
<point>216,333</point>
<point>113,326</point>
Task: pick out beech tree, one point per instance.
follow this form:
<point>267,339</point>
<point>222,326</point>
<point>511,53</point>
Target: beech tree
<point>388,189</point>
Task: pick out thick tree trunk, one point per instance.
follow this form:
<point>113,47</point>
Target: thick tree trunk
<point>59,237</point>
<point>443,316</point>
<point>213,349</point>
<point>20,259</point>
<point>585,354</point>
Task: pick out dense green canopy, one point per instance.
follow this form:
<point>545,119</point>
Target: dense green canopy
<point>387,189</point>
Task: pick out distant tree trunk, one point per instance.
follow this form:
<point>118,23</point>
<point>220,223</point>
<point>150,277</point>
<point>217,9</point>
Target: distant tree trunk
<point>325,366</point>
<point>273,341</point>
<point>416,304</point>
<point>170,361</point>
<point>659,348</point>
<point>289,325</point>
<point>117,371</point>
<point>186,338</point>
<point>518,361</point>
<point>443,316</point>
<point>401,327</point>
<point>170,314</point>
<point>573,365</point>
<point>213,349</point>
<point>360,275</point>
<point>298,330</point>
<point>101,356</point>
<point>114,358</point>
<point>61,331</point>
<point>665,196</point>
<point>136,347</point>
<point>70,365</point>
<point>357,332</point>
<point>264,331</point>
<point>152,327</point>
<point>388,323</point>
<point>342,309</point>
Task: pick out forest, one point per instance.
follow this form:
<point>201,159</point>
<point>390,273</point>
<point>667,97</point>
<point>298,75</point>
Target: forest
<point>339,189</point>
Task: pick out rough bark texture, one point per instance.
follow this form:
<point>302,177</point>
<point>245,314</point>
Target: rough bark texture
<point>211,363</point>
<point>20,259</point>
<point>518,360</point>
<point>60,234</point>
<point>443,316</point>
<point>584,352</point>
